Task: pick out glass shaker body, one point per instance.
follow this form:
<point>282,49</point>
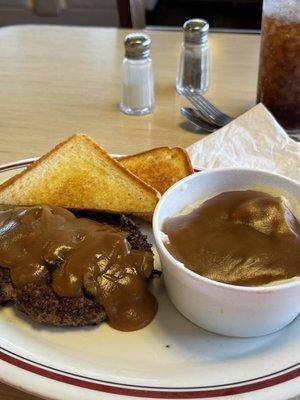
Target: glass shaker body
<point>137,79</point>
<point>193,73</point>
<point>279,71</point>
<point>137,86</point>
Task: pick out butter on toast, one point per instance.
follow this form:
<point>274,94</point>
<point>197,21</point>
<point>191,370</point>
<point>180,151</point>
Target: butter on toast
<point>79,174</point>
<point>160,167</point>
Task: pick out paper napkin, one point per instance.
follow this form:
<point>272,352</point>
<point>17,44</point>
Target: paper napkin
<point>253,140</point>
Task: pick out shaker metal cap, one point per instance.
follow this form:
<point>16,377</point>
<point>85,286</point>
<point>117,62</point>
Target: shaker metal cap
<point>137,45</point>
<point>196,31</point>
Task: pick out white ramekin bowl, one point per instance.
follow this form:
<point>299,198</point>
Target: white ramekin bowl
<point>221,308</point>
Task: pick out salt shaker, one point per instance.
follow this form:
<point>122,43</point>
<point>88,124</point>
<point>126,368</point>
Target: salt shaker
<point>193,71</point>
<point>137,85</point>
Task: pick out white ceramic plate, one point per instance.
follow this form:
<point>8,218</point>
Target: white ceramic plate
<point>169,359</point>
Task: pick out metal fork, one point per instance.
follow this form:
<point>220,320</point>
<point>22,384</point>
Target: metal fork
<point>209,112</point>
<point>197,118</point>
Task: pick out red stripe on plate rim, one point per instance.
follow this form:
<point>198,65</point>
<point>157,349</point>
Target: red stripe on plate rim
<point>146,393</point>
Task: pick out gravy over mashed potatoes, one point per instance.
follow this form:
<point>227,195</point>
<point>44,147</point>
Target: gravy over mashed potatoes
<point>247,238</point>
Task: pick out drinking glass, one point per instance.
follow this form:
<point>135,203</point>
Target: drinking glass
<point>279,71</point>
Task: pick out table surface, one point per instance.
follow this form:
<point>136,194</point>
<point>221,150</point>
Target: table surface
<point>56,81</point>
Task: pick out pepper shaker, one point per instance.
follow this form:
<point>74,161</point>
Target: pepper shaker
<point>193,71</point>
<point>137,77</point>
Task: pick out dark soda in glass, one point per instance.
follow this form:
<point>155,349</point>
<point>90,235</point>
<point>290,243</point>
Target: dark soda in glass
<point>279,72</point>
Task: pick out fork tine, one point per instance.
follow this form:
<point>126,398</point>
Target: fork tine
<point>202,104</point>
<point>206,113</point>
<point>195,103</point>
<point>213,114</point>
<point>209,107</point>
<point>188,93</point>
<point>212,108</point>
<point>206,110</point>
<point>209,104</point>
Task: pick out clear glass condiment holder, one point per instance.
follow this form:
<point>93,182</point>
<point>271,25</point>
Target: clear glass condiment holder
<point>194,63</point>
<point>137,76</point>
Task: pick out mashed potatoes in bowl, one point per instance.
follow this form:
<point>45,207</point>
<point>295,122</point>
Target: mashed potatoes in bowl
<point>235,272</point>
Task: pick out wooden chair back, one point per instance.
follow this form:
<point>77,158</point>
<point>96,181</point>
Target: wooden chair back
<point>132,13</point>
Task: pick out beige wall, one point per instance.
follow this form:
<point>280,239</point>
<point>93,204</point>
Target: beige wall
<point>67,12</point>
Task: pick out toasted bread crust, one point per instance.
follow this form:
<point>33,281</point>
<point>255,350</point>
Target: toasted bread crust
<point>152,194</point>
<point>160,167</point>
<point>36,163</point>
<point>158,150</point>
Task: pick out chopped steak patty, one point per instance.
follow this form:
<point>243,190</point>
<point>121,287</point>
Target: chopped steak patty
<point>39,301</point>
<point>42,304</point>
<point>6,288</point>
<point>137,240</point>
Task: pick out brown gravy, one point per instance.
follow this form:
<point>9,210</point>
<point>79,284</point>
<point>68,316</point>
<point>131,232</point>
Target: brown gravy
<point>84,255</point>
<point>246,238</point>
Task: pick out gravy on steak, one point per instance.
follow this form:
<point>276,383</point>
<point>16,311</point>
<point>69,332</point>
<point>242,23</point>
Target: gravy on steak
<point>84,255</point>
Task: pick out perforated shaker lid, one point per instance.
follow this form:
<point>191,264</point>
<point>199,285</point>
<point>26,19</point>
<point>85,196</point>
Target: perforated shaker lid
<point>196,31</point>
<point>137,45</point>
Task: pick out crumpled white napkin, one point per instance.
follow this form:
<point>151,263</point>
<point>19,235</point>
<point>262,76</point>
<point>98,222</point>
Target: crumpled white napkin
<point>253,140</point>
